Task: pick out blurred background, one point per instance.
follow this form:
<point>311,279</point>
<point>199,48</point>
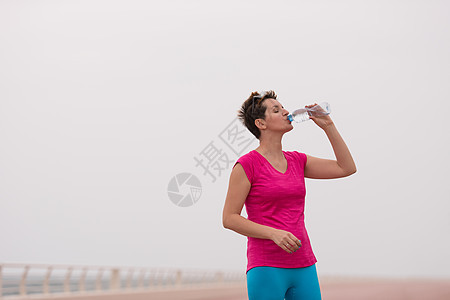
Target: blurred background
<point>111,111</point>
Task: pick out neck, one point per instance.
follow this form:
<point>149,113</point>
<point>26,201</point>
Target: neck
<point>270,145</point>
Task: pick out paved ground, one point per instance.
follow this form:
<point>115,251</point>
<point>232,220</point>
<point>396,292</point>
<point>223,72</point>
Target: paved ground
<point>387,290</point>
<point>373,289</point>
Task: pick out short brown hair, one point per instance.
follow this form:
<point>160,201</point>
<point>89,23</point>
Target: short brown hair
<point>253,108</point>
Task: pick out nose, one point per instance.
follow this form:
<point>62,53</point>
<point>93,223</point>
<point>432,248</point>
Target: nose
<point>285,112</point>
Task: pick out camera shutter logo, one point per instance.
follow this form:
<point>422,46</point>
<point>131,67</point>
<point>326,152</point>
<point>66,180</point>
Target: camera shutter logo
<point>184,189</point>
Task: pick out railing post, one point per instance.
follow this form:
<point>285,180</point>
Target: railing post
<point>45,286</point>
<point>141,279</point>
<point>219,277</point>
<point>82,283</point>
<point>179,278</point>
<point>115,279</point>
<point>67,280</point>
<point>159,277</point>
<point>98,282</point>
<point>23,287</point>
<point>129,278</point>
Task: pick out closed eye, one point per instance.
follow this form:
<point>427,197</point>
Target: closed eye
<point>276,108</point>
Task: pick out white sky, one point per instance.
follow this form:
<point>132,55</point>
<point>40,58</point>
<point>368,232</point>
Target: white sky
<point>102,103</point>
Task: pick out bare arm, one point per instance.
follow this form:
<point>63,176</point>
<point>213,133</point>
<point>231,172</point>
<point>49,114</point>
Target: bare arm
<point>238,189</point>
<point>343,166</point>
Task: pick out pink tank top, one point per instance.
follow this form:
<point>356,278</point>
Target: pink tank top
<point>277,200</point>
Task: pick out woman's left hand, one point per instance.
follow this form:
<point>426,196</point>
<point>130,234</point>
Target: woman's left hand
<point>322,121</point>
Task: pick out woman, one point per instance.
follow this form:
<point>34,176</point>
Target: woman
<point>270,182</point>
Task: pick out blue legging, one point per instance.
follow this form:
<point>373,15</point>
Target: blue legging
<point>270,283</point>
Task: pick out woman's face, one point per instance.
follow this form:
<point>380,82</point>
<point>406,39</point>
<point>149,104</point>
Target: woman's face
<point>276,116</point>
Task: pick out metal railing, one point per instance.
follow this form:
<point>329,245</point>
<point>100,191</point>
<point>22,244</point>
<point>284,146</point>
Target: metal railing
<point>17,279</point>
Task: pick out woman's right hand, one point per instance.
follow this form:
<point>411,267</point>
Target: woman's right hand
<point>286,240</point>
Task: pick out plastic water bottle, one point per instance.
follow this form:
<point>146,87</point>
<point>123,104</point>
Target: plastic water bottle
<point>303,114</point>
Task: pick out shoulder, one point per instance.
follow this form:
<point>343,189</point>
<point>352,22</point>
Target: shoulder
<point>250,157</point>
<point>297,156</point>
<point>249,163</point>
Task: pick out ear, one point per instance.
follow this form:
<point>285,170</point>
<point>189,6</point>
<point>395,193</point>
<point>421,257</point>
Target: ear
<point>260,123</point>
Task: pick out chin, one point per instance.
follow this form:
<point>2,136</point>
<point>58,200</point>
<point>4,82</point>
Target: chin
<point>290,128</point>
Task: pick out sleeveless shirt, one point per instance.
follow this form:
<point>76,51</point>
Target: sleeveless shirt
<point>277,200</point>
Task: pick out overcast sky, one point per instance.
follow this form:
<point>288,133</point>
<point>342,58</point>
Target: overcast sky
<point>103,103</point>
